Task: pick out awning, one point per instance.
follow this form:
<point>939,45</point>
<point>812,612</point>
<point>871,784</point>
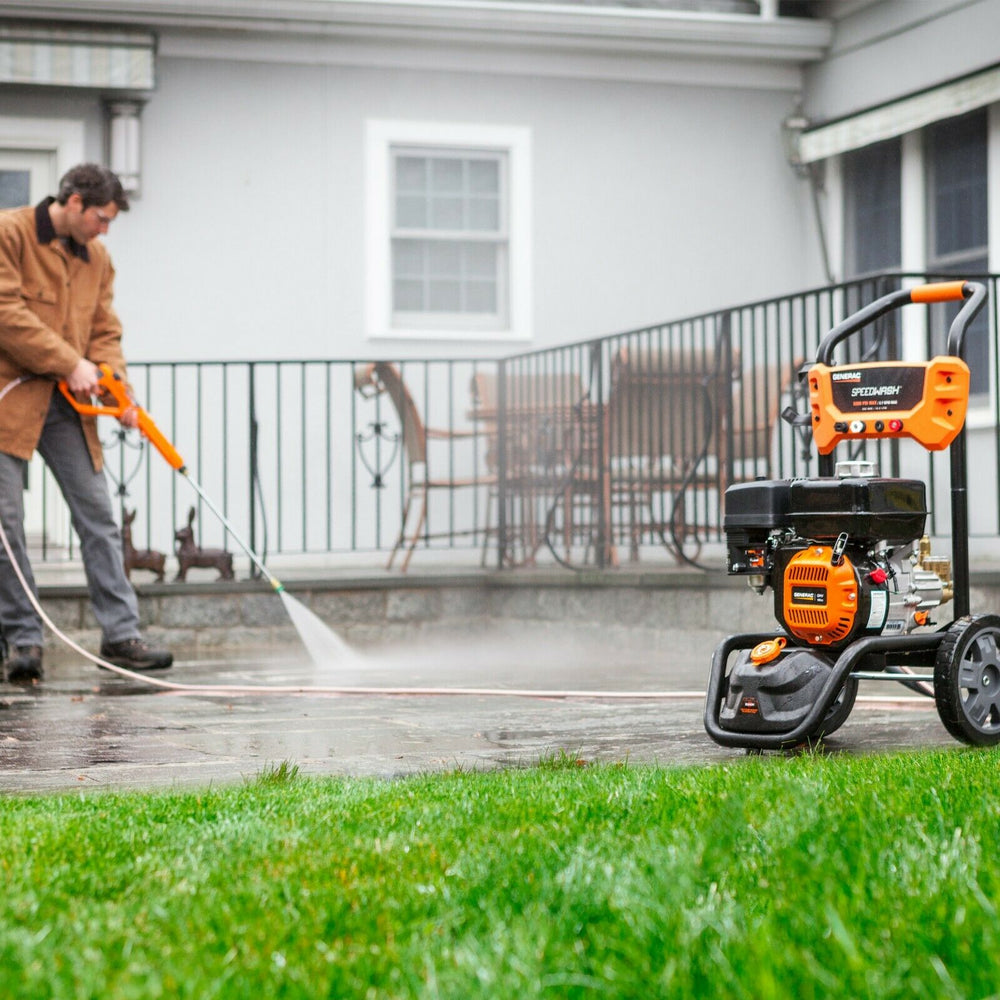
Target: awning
<point>899,117</point>
<point>73,57</point>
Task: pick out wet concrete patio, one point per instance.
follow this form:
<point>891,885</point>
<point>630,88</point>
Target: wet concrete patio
<point>85,729</point>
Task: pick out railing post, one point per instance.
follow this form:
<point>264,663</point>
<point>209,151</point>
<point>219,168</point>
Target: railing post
<point>501,431</point>
<point>252,404</point>
<point>959,525</point>
<point>724,372</point>
<point>603,513</point>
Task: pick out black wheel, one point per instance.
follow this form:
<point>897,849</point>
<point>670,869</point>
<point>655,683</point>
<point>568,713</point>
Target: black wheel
<point>967,680</point>
<point>839,711</point>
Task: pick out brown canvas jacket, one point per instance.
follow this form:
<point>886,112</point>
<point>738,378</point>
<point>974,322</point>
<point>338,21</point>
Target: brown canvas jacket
<point>55,307</point>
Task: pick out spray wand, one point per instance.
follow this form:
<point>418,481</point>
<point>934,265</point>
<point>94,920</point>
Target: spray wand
<point>322,644</point>
<point>115,389</point>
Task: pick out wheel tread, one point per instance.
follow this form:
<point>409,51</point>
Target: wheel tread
<point>947,677</point>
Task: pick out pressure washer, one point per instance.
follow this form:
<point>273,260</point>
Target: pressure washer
<point>854,583</point>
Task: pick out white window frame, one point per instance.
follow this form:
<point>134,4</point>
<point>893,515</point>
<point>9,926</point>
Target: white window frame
<point>380,138</point>
<point>62,136</point>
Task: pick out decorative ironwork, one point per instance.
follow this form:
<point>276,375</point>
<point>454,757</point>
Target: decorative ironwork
<point>121,438</point>
<point>377,432</point>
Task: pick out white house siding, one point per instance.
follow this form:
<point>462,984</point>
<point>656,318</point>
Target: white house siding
<point>659,184</point>
<point>649,202</point>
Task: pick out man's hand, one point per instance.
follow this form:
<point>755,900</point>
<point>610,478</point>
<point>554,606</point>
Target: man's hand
<point>84,377</point>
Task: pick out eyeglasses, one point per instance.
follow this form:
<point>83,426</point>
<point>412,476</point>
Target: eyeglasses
<point>104,220</point>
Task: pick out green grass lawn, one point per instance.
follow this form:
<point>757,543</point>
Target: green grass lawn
<point>771,877</point>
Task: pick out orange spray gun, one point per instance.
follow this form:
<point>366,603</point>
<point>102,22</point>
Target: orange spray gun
<point>113,387</point>
<point>115,400</point>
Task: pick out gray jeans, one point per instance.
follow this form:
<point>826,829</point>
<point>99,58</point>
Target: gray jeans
<point>64,450</point>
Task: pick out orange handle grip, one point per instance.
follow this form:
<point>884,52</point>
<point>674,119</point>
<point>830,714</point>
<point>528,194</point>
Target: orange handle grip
<point>941,291</point>
<point>118,391</point>
<point>113,385</point>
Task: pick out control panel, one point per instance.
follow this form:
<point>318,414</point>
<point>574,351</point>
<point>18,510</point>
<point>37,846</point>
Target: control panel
<point>925,401</point>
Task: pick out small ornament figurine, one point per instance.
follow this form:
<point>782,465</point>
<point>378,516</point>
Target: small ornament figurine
<point>189,555</point>
<point>134,558</point>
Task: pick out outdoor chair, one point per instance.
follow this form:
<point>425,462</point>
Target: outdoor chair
<point>539,433</point>
<point>664,424</point>
<point>682,426</point>
<point>421,481</point>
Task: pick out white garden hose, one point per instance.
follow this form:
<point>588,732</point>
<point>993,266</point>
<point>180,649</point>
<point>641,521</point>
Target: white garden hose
<point>227,690</point>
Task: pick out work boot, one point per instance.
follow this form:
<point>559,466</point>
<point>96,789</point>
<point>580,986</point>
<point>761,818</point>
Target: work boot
<point>136,654</point>
<point>24,665</point>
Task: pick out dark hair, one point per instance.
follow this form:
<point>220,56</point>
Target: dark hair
<point>95,184</point>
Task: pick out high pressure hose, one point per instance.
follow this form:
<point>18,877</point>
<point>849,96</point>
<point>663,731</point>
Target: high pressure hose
<point>238,690</point>
<point>242,690</point>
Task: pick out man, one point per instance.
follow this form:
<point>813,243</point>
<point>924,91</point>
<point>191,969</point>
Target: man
<point>57,322</point>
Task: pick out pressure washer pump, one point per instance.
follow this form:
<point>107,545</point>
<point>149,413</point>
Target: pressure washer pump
<point>853,579</point>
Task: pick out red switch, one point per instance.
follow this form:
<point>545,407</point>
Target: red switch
<point>895,426</point>
<point>878,576</point>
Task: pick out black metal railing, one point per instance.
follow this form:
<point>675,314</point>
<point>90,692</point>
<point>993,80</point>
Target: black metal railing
<point>590,454</point>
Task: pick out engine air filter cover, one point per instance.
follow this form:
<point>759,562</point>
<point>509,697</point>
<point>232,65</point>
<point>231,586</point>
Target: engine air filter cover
<point>756,507</point>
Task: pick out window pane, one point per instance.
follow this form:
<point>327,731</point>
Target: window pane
<point>958,172</point>
<point>411,173</point>
<point>446,176</point>
<point>484,214</point>
<point>15,188</point>
<point>444,296</point>
<point>484,177</point>
<point>411,212</point>
<point>872,203</point>
<point>446,213</point>
<point>449,276</point>
<point>445,259</point>
<point>480,260</point>
<point>408,258</point>
<point>408,296</point>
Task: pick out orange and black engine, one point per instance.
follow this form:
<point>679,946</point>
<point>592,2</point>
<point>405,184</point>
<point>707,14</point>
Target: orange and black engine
<point>837,553</point>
